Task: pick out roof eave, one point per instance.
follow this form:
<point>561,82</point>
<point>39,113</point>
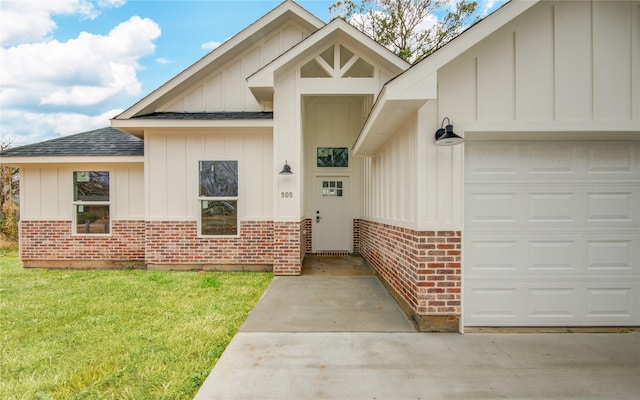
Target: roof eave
<point>25,160</point>
<point>137,126</point>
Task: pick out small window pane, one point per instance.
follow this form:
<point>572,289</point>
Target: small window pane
<point>219,217</point>
<point>219,178</point>
<point>91,186</point>
<point>92,219</point>
<point>333,157</point>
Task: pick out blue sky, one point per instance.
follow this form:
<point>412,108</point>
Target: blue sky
<point>68,66</point>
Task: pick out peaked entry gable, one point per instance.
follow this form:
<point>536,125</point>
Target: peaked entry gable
<point>351,49</point>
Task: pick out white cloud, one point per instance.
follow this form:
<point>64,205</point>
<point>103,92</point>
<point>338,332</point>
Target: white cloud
<point>83,71</point>
<point>163,60</point>
<point>50,87</point>
<point>33,127</point>
<point>489,6</point>
<point>28,21</point>
<point>210,45</point>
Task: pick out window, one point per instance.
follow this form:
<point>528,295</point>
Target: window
<point>332,188</point>
<point>218,198</point>
<point>333,157</point>
<point>91,202</point>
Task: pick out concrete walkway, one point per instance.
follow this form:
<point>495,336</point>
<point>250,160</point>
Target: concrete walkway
<point>343,337</point>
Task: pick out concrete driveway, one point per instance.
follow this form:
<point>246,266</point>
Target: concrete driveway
<point>344,337</point>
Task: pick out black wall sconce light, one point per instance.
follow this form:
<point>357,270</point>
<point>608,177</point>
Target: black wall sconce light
<point>445,135</point>
<point>286,169</point>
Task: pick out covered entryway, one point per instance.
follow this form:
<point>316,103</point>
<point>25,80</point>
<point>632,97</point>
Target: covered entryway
<point>552,233</point>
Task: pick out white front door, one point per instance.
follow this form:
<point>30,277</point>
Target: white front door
<point>332,224</point>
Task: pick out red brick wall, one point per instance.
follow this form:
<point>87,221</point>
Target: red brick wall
<point>288,247</point>
<point>177,242</point>
<point>423,267</point>
<point>308,237</point>
<point>52,240</point>
<point>50,244</point>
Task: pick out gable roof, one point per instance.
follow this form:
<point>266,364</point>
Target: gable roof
<point>413,88</point>
<point>261,82</point>
<point>288,10</point>
<point>100,142</point>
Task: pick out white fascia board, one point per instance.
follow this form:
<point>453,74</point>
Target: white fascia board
<point>226,47</point>
<point>264,77</point>
<point>72,160</point>
<point>141,123</point>
<point>550,130</point>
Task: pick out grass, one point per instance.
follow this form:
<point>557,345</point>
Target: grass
<point>115,334</point>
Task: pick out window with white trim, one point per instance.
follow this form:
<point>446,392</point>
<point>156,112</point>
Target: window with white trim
<point>91,202</point>
<point>218,198</point>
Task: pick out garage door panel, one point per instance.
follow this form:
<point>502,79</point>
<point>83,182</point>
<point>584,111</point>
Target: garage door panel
<point>618,204</point>
<point>615,254</point>
<point>615,159</point>
<point>491,207</point>
<point>539,205</point>
<point>552,233</point>
<point>552,161</point>
<point>554,303</point>
<point>549,207</point>
<point>612,303</point>
<point>553,254</point>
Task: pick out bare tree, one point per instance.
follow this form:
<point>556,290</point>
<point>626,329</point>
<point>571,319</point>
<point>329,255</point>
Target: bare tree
<point>409,28</point>
<point>10,187</point>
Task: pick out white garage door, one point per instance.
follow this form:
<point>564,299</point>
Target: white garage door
<point>552,234</point>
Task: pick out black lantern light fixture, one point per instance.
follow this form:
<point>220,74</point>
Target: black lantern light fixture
<point>286,169</point>
<point>445,135</point>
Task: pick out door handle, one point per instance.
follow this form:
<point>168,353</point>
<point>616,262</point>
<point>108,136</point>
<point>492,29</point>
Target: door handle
<point>318,217</point>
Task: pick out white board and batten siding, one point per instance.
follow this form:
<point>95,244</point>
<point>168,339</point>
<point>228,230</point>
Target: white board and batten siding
<point>552,233</point>
<point>172,180</point>
<point>226,88</point>
<point>555,63</point>
<point>46,191</point>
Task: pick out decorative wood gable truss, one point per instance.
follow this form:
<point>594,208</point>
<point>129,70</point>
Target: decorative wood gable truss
<point>337,61</point>
<point>337,52</point>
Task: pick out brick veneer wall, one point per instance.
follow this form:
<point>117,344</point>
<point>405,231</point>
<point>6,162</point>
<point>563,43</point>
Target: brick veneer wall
<point>421,267</point>
<point>277,246</point>
<point>177,242</point>
<point>288,247</point>
<point>308,238</point>
<point>51,244</point>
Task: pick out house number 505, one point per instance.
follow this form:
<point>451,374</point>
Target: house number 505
<point>286,195</point>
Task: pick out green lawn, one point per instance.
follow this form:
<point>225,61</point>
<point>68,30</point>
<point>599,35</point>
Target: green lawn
<point>116,334</point>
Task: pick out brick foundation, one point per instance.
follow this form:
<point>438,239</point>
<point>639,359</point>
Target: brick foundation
<point>50,244</point>
<point>177,243</point>
<point>421,267</point>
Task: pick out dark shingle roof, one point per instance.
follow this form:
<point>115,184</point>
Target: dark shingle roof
<point>100,142</point>
<point>208,115</point>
